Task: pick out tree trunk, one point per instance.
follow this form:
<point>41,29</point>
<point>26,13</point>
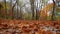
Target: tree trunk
<point>20,13</point>
<point>53,10</point>
<point>12,7</point>
<point>5,9</point>
<point>17,8</point>
<point>37,12</point>
<point>32,8</point>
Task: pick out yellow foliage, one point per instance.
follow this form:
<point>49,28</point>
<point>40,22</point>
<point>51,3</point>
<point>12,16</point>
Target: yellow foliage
<point>43,12</point>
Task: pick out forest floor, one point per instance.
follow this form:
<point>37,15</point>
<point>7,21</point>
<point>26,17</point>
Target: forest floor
<point>29,26</point>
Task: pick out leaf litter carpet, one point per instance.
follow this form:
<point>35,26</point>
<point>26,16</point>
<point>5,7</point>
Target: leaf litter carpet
<point>29,27</point>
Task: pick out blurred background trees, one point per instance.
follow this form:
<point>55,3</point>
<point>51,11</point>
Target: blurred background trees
<point>30,9</point>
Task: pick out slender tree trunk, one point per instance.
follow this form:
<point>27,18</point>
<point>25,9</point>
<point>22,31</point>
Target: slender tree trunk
<point>53,10</point>
<point>32,8</point>
<point>20,13</point>
<point>37,12</point>
<point>5,9</point>
<point>17,8</point>
<point>12,9</point>
<point>1,8</point>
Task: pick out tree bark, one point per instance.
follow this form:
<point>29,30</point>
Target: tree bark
<point>32,8</point>
<point>20,13</point>
<point>5,9</point>
<point>17,8</point>
<point>37,12</point>
<point>53,10</point>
